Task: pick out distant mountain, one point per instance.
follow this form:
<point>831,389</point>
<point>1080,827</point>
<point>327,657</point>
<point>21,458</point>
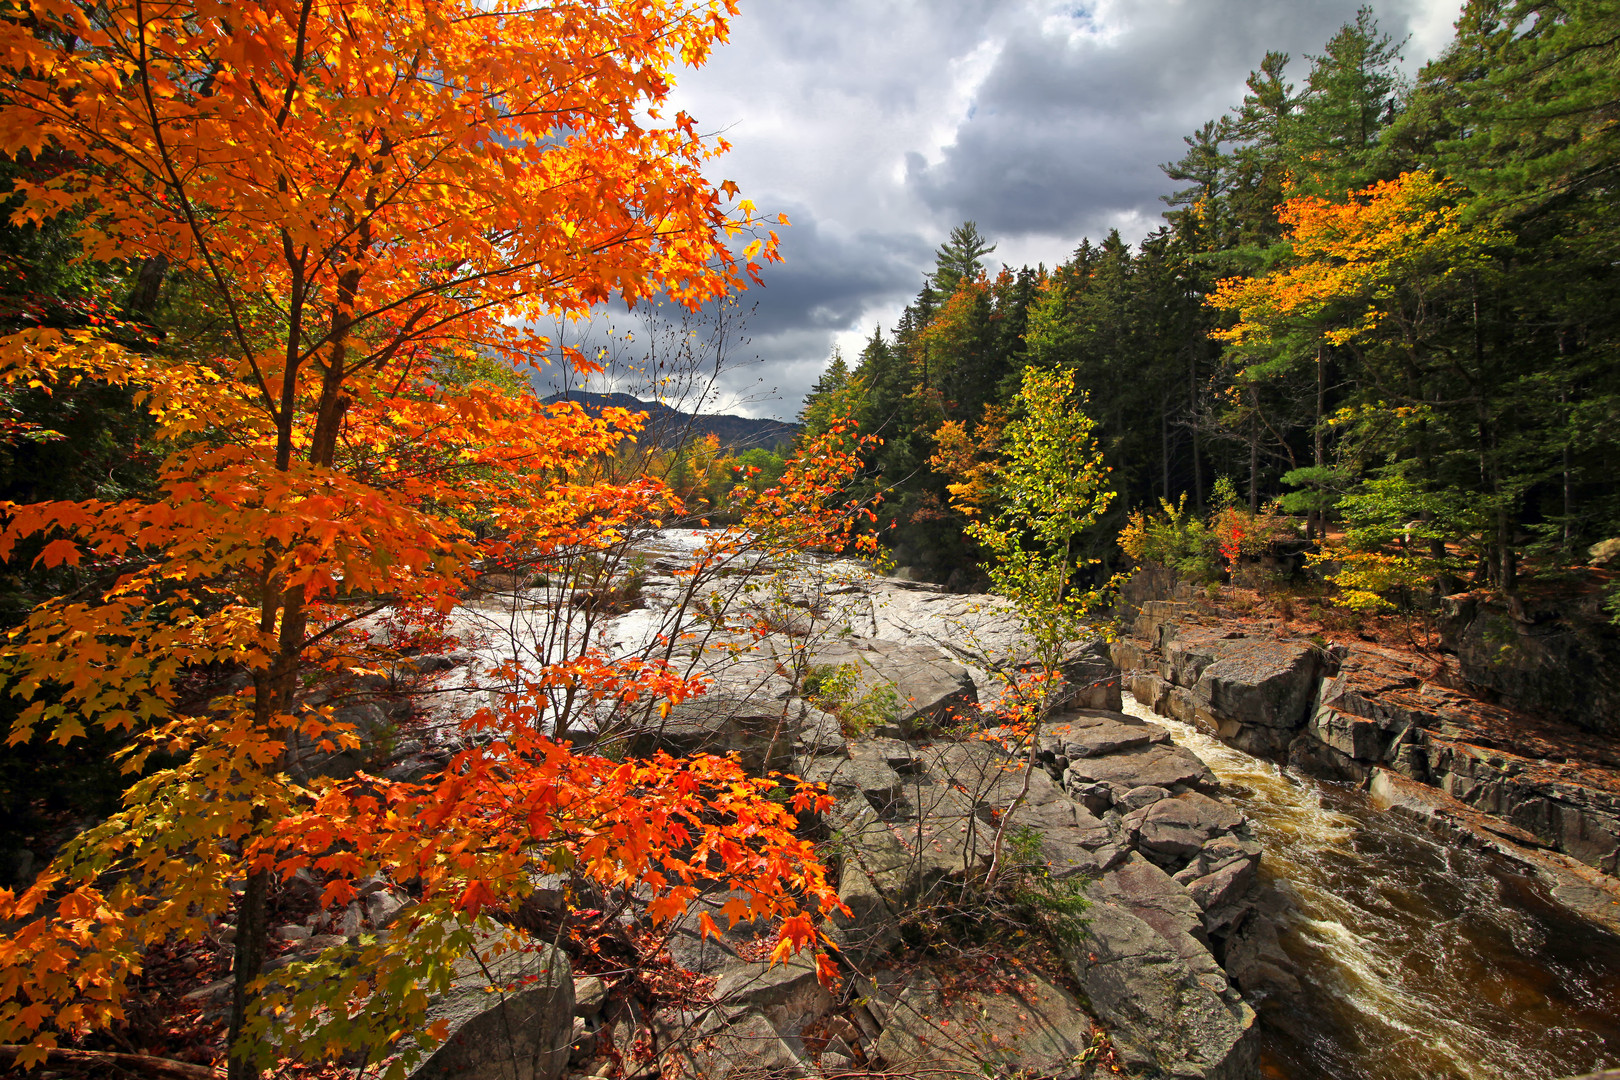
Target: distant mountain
<point>671,427</point>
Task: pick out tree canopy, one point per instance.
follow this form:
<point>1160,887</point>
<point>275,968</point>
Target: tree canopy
<point>1360,277</point>
<point>360,209</point>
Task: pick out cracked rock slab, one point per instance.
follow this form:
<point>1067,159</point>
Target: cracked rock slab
<point>1166,1018</point>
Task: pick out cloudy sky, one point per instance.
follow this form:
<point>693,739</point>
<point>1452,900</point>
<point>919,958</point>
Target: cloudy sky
<point>878,125</point>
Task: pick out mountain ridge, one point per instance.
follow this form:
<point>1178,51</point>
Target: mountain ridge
<point>672,426</point>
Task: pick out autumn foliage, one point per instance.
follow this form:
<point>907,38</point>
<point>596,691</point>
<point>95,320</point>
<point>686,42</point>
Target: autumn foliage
<point>1359,268</point>
<point>359,193</point>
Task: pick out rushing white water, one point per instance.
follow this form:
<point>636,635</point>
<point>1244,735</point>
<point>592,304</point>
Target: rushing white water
<point>1419,959</point>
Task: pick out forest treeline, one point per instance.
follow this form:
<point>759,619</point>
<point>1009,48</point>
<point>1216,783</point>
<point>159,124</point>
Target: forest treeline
<point>1386,308</point>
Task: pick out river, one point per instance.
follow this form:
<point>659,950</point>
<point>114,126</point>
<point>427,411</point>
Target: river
<point>1420,960</point>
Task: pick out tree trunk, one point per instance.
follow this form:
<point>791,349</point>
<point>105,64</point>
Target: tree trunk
<point>284,611</point>
<point>143,298</point>
<point>1164,447</point>
<point>76,1060</point>
<point>1254,453</point>
<point>1192,412</point>
<point>252,939</point>
<point>1566,540</point>
<point>1316,524</point>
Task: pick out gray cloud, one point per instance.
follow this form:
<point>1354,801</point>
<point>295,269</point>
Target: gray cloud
<point>830,275</point>
<point>1066,133</point>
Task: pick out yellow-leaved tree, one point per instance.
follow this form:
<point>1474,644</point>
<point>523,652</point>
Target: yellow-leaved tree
<point>354,191</point>
<point>1380,273</point>
<point>1044,486</point>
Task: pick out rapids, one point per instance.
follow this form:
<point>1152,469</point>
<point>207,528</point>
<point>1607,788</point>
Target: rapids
<point>1420,960</point>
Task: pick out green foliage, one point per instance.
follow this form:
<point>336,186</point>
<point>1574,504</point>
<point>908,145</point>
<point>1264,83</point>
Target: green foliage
<point>1350,96</point>
<point>1401,538</point>
<point>1058,906</point>
<point>1175,538</point>
<point>832,397</point>
<point>1051,486</point>
<point>1471,330</point>
<point>760,468</point>
<point>838,690</point>
<point>1319,489</point>
<point>959,259</point>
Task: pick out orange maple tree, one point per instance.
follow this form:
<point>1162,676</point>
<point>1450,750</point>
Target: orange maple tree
<point>1360,269</point>
<point>358,190</point>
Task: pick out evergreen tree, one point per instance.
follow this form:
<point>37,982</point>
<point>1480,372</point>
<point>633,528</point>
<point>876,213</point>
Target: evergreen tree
<point>1261,160</point>
<point>961,258</point>
<point>829,399</point>
<point>1351,95</point>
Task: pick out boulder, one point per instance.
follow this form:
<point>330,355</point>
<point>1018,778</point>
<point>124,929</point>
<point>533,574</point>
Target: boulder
<point>1091,681</point>
<point>384,905</point>
<point>1558,783</point>
<point>761,732</point>
<point>1148,893</point>
<point>1151,690</point>
<point>871,928</point>
<point>1098,733</point>
<point>510,1016</point>
<point>820,734</point>
<point>16,869</point>
<point>1256,962</point>
<point>693,951</point>
<point>1188,654</point>
<point>1022,1024</point>
<point>1357,738</point>
<point>1165,1016</point>
<point>1140,798</point>
<point>1165,766</point>
<point>367,719</point>
<point>1604,552</point>
<point>907,859</point>
<point>1098,799</point>
<point>1069,833</point>
<point>929,689</point>
<point>590,994</point>
<point>1557,656</point>
<point>1224,886</point>
<point>1158,621</point>
<point>787,993</point>
<point>1173,831</point>
<point>867,774</point>
<point>749,1046</point>
<point>1217,853</point>
<point>1266,684</point>
<point>712,902</point>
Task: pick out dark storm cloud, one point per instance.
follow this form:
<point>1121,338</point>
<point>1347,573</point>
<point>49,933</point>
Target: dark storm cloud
<point>1066,133</point>
<point>878,125</point>
<point>830,275</point>
<point>779,336</point>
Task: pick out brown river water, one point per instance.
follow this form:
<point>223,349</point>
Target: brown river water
<point>1420,960</point>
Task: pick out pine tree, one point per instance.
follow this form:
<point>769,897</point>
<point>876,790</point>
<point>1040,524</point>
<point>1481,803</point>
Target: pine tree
<point>829,399</point>
<point>1352,93</point>
<point>961,258</point>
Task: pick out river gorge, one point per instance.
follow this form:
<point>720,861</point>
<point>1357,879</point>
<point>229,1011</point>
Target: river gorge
<point>1284,880</point>
<point>1419,959</point>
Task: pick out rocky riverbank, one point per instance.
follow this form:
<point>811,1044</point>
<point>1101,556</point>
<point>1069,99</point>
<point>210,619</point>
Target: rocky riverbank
<point>1170,871</point>
<point>1137,932</point>
<point>1410,728</point>
<point>1108,815</point>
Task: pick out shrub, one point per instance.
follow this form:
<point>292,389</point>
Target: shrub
<point>1174,539</point>
<point>835,689</point>
<point>1399,538</point>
